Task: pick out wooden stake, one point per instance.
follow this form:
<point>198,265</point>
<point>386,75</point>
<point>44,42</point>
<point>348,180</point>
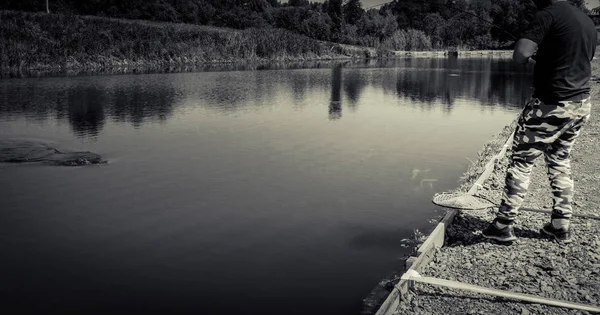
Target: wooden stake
<point>415,276</point>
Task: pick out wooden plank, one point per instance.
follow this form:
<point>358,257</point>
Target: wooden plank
<point>403,286</point>
<point>438,235</point>
<point>390,304</point>
<point>409,262</point>
<point>422,260</point>
<point>434,240</point>
<point>447,220</point>
<point>506,294</point>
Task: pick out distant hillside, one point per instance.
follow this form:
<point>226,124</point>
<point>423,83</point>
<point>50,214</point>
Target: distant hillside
<point>54,42</point>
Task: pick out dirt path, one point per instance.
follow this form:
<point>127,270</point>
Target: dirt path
<point>532,265</point>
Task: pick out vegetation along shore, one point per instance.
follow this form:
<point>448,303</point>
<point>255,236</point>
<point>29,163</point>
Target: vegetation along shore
<point>39,41</point>
<point>61,35</point>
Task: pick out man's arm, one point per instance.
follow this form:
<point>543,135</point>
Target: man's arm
<point>524,49</point>
<point>527,46</point>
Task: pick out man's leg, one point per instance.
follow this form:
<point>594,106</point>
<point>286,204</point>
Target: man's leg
<point>559,173</point>
<point>517,180</point>
<point>526,147</point>
<point>537,128</point>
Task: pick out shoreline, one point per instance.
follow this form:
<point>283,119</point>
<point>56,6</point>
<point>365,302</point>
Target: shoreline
<point>533,265</point>
<point>238,65</point>
<point>456,53</point>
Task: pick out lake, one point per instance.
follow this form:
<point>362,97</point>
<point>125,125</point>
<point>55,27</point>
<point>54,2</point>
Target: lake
<point>231,191</point>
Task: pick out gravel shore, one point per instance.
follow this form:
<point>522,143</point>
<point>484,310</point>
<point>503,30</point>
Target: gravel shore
<point>534,264</point>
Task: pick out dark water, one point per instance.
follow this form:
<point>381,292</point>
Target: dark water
<point>236,192</point>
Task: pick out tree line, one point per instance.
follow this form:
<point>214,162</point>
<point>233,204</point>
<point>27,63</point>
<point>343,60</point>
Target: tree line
<point>396,25</point>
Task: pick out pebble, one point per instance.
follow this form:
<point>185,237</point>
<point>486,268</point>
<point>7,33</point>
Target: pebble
<point>547,289</point>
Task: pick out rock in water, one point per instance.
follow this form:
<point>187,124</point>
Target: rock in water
<point>30,151</point>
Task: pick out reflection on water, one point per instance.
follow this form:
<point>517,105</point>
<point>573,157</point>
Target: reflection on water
<point>335,105</point>
<point>139,103</point>
<point>86,105</point>
<point>353,84</point>
<point>85,109</point>
<point>283,188</point>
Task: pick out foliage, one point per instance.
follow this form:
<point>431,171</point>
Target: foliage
<point>378,24</point>
<point>446,23</point>
<point>353,11</point>
<point>409,39</point>
<point>53,41</point>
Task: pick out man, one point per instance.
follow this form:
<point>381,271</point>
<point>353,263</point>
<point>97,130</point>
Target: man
<point>561,42</point>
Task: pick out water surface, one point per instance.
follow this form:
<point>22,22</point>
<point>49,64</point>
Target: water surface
<point>237,192</point>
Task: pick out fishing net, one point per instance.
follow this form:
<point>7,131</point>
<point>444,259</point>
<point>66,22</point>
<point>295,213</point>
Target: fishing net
<point>463,201</point>
<point>466,201</point>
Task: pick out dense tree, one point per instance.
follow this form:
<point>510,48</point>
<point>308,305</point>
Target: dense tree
<point>352,10</point>
<point>435,26</point>
<point>334,10</point>
<point>376,23</point>
<point>471,23</point>
<point>317,25</point>
<point>298,3</point>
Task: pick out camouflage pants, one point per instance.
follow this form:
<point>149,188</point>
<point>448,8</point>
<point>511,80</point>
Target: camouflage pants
<point>551,130</point>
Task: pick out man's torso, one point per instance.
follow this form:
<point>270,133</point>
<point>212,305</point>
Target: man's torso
<point>563,65</point>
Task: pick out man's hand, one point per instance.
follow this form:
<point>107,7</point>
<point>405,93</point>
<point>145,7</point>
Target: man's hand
<point>524,50</point>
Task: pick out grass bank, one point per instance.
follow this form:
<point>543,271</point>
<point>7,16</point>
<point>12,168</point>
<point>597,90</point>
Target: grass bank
<point>54,42</point>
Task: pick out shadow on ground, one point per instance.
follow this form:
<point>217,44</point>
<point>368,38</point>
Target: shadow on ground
<point>466,230</point>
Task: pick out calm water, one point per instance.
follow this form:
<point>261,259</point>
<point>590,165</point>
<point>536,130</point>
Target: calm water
<point>237,192</point>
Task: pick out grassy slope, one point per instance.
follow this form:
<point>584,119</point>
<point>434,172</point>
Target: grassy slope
<point>37,41</point>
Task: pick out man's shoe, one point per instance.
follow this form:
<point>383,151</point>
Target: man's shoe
<point>562,235</point>
<point>505,234</point>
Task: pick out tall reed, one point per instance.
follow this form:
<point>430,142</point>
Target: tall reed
<point>52,41</point>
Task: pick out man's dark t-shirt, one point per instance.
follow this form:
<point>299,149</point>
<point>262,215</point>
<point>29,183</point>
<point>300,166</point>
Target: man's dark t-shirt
<point>566,39</point>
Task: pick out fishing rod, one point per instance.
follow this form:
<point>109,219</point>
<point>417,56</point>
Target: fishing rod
<point>445,4</point>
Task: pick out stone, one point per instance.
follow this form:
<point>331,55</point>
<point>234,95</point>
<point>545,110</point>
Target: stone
<point>546,288</point>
